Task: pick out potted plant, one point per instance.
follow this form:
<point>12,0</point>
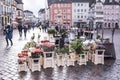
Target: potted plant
<point>78,48</point>
<point>60,54</point>
<point>51,32</point>
<point>39,37</point>
<point>106,40</point>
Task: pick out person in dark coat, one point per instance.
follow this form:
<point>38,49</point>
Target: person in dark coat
<point>20,30</point>
<point>9,34</point>
<point>25,28</point>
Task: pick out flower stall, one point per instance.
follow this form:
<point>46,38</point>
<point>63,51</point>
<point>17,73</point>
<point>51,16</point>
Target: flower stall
<point>22,66</point>
<point>98,54</point>
<point>48,54</point>
<point>34,60</point>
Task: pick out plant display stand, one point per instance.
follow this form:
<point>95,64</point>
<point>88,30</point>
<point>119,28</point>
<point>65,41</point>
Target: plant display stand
<point>48,59</point>
<point>73,56</point>
<point>22,66</point>
<point>34,60</point>
<point>70,61</point>
<point>98,56</point>
<point>34,64</point>
<point>82,59</point>
<point>86,53</point>
<point>60,61</point>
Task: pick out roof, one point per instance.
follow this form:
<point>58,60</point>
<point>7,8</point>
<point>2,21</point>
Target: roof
<point>19,1</point>
<point>28,11</point>
<point>42,10</point>
<point>68,1</point>
<point>107,2</point>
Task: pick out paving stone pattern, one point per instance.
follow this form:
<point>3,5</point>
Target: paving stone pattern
<point>9,70</point>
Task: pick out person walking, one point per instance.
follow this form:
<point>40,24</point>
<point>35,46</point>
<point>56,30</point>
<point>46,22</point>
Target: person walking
<point>9,34</point>
<point>20,30</point>
<point>25,28</point>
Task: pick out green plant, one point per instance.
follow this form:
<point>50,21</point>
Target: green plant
<point>64,50</point>
<point>33,36</point>
<point>77,46</point>
<point>39,36</point>
<point>52,31</point>
<point>98,36</point>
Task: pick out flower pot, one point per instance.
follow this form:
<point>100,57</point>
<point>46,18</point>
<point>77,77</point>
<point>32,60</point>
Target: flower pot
<point>70,61</point>
<point>98,56</point>
<point>60,61</point>
<point>82,59</point>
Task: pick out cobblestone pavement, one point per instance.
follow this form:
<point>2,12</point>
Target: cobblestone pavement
<point>8,64</point>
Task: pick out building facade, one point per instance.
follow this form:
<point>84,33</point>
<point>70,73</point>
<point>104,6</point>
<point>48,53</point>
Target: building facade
<point>80,13</point>
<point>111,14</point>
<point>97,11</point>
<point>14,10</point>
<point>29,17</point>
<point>42,15</point>
<point>5,12</point>
<point>19,12</point>
<point>61,9</point>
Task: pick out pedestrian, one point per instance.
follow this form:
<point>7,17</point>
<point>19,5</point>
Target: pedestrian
<point>25,28</point>
<point>9,34</point>
<point>20,30</point>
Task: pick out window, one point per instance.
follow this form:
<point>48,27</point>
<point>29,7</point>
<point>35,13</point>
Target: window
<point>55,11</point>
<point>75,4</point>
<point>68,16</point>
<point>85,10</point>
<point>78,4</point>
<point>68,5</point>
<point>81,10</point>
<point>64,10</point>
<point>78,17</point>
<point>64,17</point>
<point>84,16</point>
<point>68,10</point>
<point>81,4</point>
<point>74,10</point>
<point>18,13</point>
<point>78,10</point>
<point>81,16</point>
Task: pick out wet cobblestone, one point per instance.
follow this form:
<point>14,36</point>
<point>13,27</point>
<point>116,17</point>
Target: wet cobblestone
<point>9,70</point>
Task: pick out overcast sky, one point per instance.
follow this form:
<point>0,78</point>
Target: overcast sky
<point>34,5</point>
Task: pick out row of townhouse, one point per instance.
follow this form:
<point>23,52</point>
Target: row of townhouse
<point>29,18</point>
<point>11,11</point>
<point>84,13</point>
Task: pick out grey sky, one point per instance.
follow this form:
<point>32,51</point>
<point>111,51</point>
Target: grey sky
<point>34,5</point>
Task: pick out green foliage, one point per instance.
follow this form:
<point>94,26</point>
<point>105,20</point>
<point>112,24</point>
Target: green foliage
<point>64,50</point>
<point>77,46</point>
<point>33,36</point>
<point>98,36</point>
<point>52,31</point>
<point>39,36</point>
<point>29,44</point>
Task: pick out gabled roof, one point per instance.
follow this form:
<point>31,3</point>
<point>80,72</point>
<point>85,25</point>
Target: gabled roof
<point>28,11</point>
<point>42,11</point>
<point>19,1</point>
<point>107,2</point>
